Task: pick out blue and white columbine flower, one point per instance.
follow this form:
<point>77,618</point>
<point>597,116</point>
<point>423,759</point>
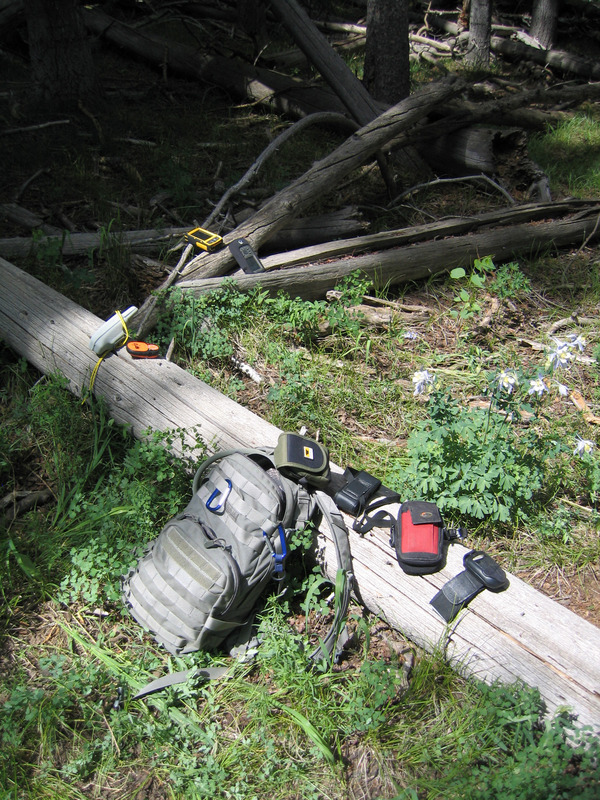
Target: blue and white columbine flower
<point>507,381</point>
<point>422,379</point>
<point>411,335</point>
<point>561,356</point>
<point>563,390</point>
<point>537,386</point>
<point>583,446</point>
<point>577,342</point>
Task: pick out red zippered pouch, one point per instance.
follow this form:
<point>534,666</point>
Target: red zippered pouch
<point>418,537</point>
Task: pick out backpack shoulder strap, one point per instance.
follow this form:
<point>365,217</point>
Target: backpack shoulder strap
<point>331,515</point>
<point>246,451</point>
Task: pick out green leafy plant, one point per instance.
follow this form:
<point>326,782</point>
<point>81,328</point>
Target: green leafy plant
<point>476,463</point>
<point>467,300</point>
<point>509,282</point>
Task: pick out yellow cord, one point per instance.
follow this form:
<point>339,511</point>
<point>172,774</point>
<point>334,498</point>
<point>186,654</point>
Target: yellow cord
<point>116,347</point>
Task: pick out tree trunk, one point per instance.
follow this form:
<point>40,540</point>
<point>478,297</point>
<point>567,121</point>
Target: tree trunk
<point>387,67</point>
<point>543,23</point>
<point>61,58</point>
<point>332,67</point>
<point>480,27</point>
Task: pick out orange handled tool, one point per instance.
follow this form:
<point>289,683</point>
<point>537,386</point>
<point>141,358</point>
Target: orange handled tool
<point>142,350</point>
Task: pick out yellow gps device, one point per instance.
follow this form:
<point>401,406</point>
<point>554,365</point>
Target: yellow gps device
<point>203,239</point>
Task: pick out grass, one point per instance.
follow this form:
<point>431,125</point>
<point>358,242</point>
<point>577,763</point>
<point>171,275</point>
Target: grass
<point>276,727</point>
<point>569,154</point>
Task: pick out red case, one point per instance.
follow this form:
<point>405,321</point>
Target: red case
<point>418,538</point>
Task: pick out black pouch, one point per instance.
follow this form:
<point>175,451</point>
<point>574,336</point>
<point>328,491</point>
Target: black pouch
<point>418,538</point>
<point>354,496</point>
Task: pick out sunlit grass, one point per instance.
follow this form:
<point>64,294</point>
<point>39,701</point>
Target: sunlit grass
<point>570,155</point>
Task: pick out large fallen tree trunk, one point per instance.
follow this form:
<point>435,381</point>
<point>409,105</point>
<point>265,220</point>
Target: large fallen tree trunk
<point>517,634</point>
<point>400,265</point>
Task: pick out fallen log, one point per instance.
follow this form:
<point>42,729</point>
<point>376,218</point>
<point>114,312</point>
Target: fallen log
<point>296,233</point>
<point>399,265</point>
<point>518,634</point>
<point>528,212</point>
<point>557,59</point>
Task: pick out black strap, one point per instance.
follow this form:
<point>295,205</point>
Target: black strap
<point>481,572</point>
<point>456,594</point>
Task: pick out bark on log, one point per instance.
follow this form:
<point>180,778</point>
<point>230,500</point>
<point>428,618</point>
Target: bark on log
<point>517,634</point>
<point>324,175</point>
<point>400,265</point>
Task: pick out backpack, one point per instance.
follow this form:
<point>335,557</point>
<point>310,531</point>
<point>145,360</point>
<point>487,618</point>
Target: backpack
<point>199,583</point>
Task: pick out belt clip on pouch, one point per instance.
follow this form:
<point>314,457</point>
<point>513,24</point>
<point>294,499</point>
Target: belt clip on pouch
<point>302,459</point>
<point>418,538</point>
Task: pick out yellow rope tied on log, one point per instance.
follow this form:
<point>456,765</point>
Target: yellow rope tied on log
<point>119,344</point>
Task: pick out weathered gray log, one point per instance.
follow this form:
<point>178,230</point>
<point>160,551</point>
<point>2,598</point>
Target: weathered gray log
<point>325,175</point>
<point>465,152</point>
<point>400,265</point>
<point>276,90</point>
<point>26,219</point>
<point>517,634</point>
<point>148,241</point>
<point>457,226</point>
<point>557,59</point>
<point>296,233</point>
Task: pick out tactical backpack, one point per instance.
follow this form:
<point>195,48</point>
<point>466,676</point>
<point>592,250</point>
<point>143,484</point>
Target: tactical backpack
<point>199,583</point>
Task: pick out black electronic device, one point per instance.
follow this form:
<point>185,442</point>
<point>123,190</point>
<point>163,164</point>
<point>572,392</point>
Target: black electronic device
<point>245,256</point>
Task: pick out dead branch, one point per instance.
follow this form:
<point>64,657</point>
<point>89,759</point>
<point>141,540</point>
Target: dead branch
<point>322,118</point>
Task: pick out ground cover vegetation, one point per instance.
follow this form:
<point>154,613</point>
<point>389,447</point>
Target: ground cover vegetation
<point>479,390</point>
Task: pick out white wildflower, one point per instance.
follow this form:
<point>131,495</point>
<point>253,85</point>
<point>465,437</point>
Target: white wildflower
<point>583,446</point>
<point>537,386</point>
<point>561,357</point>
<point>508,381</point>
<point>422,380</point>
<point>577,342</point>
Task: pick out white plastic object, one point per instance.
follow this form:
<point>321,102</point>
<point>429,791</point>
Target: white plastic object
<point>110,333</point>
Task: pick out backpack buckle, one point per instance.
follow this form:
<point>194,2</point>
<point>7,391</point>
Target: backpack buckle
<point>278,558</point>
